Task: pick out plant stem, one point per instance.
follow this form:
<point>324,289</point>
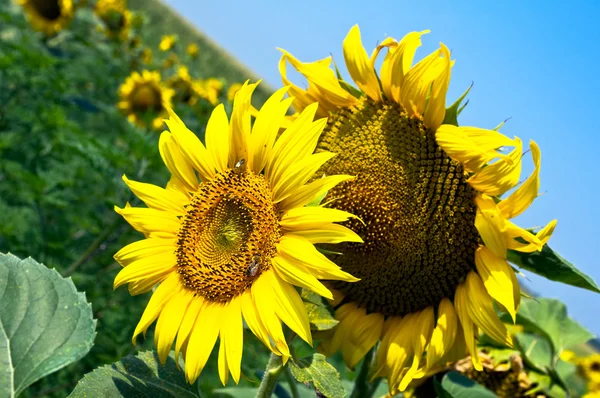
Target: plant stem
<point>272,373</point>
<point>292,382</point>
<point>361,384</point>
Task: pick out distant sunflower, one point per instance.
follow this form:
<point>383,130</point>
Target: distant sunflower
<point>436,232</point>
<point>209,89</point>
<point>48,16</point>
<point>183,85</point>
<point>192,50</point>
<point>233,89</point>
<point>146,55</point>
<point>167,42</point>
<point>230,236</point>
<point>143,96</point>
<point>589,368</point>
<point>116,18</point>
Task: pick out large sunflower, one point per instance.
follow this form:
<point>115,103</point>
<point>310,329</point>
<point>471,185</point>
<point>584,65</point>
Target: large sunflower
<point>427,197</point>
<point>144,97</point>
<point>48,16</point>
<point>230,235</point>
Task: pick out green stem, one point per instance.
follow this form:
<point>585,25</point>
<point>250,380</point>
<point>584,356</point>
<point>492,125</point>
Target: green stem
<point>272,373</point>
<point>361,384</point>
<point>93,247</point>
<point>292,382</point>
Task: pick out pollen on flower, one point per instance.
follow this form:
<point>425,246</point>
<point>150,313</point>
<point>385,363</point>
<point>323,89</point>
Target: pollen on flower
<point>228,235</point>
<point>417,208</point>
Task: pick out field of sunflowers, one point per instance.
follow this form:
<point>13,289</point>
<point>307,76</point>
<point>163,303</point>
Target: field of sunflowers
<point>172,227</point>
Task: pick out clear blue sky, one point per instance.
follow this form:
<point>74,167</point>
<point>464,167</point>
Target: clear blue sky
<point>536,62</point>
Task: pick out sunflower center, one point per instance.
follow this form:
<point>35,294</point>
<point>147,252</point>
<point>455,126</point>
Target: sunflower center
<point>228,235</point>
<point>47,9</point>
<point>417,208</point>
<point>145,98</point>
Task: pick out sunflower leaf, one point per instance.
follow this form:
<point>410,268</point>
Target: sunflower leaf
<point>322,375</point>
<point>319,314</point>
<point>455,109</point>
<point>455,385</point>
<point>551,265</point>
<point>45,323</point>
<point>133,376</point>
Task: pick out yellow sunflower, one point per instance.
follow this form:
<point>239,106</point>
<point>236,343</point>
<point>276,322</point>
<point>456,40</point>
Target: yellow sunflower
<point>143,96</point>
<point>230,236</point>
<point>209,89</point>
<point>233,89</point>
<point>167,42</point>
<point>589,368</point>
<point>116,18</point>
<point>183,85</point>
<point>435,228</point>
<point>48,16</point>
<point>146,55</point>
<point>192,50</point>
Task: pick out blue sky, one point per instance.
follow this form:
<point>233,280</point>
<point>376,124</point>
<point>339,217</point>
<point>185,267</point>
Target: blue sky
<point>534,62</point>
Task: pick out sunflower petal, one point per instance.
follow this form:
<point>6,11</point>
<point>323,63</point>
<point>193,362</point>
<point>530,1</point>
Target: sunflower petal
<point>313,190</point>
<point>491,225</point>
<point>461,303</point>
<point>499,177</point>
<point>359,65</point>
<point>158,198</point>
<point>217,139</point>
<point>202,340</point>
<point>168,324</point>
<point>295,273</point>
<point>232,336</point>
<point>444,333</point>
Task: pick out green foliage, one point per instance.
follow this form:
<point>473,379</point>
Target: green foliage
<point>455,385</point>
<point>132,376</point>
<point>551,265</point>
<point>456,108</point>
<point>319,314</point>
<point>45,324</point>
<point>318,372</point>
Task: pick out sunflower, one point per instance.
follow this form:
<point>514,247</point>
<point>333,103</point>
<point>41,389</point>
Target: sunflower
<point>230,236</point>
<point>48,16</point>
<point>142,96</point>
<point>167,42</point>
<point>146,55</point>
<point>209,89</point>
<point>183,85</point>
<point>116,18</point>
<point>233,89</point>
<point>589,368</point>
<point>427,197</point>
<point>192,50</point>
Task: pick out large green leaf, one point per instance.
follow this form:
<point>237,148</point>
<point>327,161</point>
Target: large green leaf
<point>551,265</point>
<point>135,376</point>
<point>319,314</point>
<point>455,385</point>
<point>322,375</point>
<point>45,324</point>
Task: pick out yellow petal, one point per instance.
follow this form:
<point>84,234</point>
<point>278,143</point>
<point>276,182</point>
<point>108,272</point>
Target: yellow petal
<point>202,340</point>
<point>189,318</point>
<point>491,225</point>
<point>313,190</point>
<point>159,298</point>
<point>499,279</point>
<point>499,177</point>
<point>240,124</point>
<point>331,233</point>
<point>436,105</point>
<point>222,364</point>
<point>422,329</point>
<point>146,267</point>
<point>294,272</point>
<point>232,336</point>
<point>531,242</point>
<point>444,333</point>
<point>297,174</point>
<point>397,63</point>
<point>253,321</point>
<point>359,65</point>
<point>150,220</point>
<point>157,197</point>
<point>461,303</point>
<point>266,126</point>
<point>305,218</point>
<point>217,139</point>
<point>262,295</point>
<point>300,98</point>
<point>180,151</point>
<point>168,323</point>
<point>523,196</point>
<point>144,248</point>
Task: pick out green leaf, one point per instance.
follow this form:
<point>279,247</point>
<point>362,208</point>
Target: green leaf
<point>455,385</point>
<point>536,351</point>
<point>548,317</point>
<point>45,324</point>
<point>455,109</point>
<point>319,314</point>
<point>322,375</point>
<point>551,265</point>
<point>135,376</point>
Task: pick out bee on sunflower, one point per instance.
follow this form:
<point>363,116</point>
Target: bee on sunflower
<point>429,199</point>
<point>143,97</point>
<point>230,236</point>
<point>48,16</point>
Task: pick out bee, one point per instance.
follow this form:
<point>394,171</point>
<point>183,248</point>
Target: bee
<point>240,167</point>
<point>254,266</point>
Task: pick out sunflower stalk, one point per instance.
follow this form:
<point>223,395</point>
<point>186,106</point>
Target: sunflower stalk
<point>362,389</point>
<point>274,369</point>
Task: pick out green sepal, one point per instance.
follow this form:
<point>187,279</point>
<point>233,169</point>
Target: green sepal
<point>456,108</point>
<point>551,265</point>
<point>318,372</point>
